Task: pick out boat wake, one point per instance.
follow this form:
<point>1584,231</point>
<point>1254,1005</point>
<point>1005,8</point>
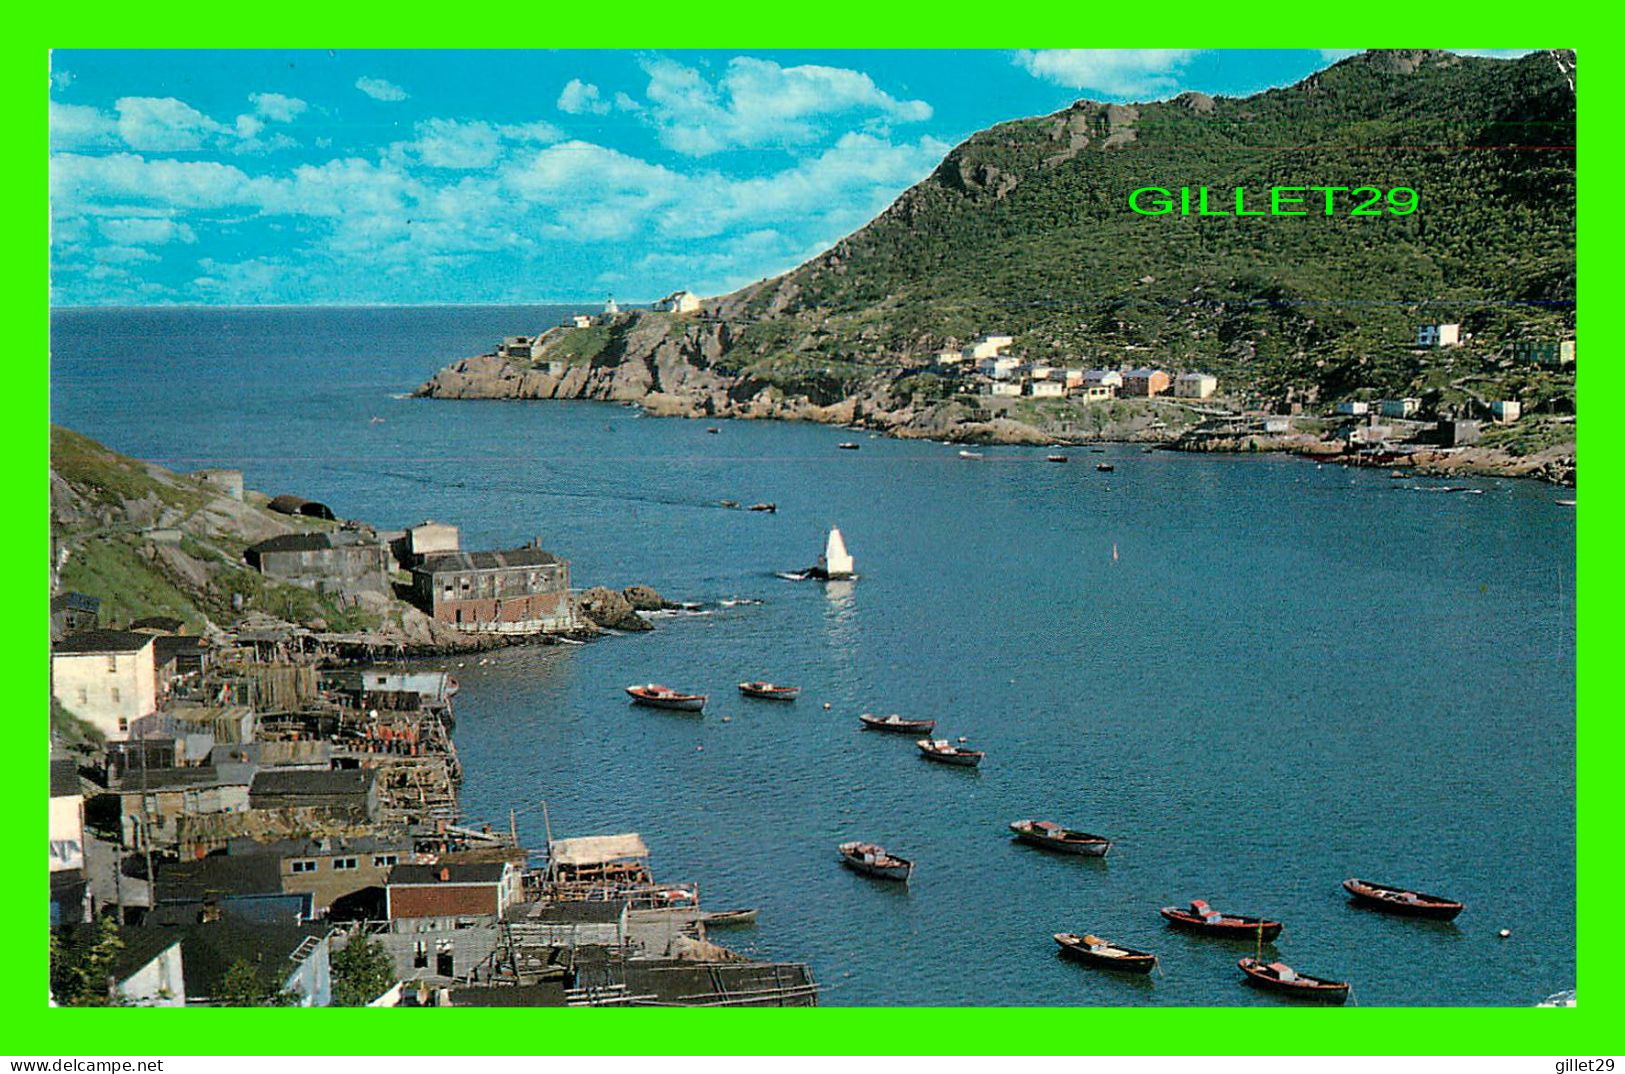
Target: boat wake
<point>734,602</point>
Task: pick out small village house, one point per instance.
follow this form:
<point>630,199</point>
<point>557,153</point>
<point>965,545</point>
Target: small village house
<point>484,889</point>
<point>1004,388</point>
<point>1458,432</point>
<point>147,969</point>
<point>72,612</point>
<point>1195,386</point>
<point>521,591</point>
<point>332,868</point>
<point>1438,335</point>
<point>1353,407</point>
<point>1506,411</point>
<point>986,347</point>
<point>1002,367</point>
<point>66,819</point>
<point>679,302</point>
<point>426,538</point>
<point>345,792</point>
<point>518,347</point>
<point>1145,383</point>
<point>1073,378</point>
<point>292,960</point>
<point>578,320</point>
<point>107,678</point>
<point>344,561</point>
<point>1046,389</point>
<point>1093,393</point>
<point>1401,408</point>
<point>1105,378</point>
<point>1547,352</point>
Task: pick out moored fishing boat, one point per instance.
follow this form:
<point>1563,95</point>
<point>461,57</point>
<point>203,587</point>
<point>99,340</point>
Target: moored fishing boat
<point>848,445</point>
<point>897,725</point>
<point>1401,901</point>
<point>967,454</point>
<point>1054,458</point>
<point>770,508</point>
<point>1279,977</point>
<point>1105,954</point>
<point>768,691</point>
<point>1200,917</point>
<point>944,752</point>
<point>657,696</point>
<point>1051,836</point>
<point>871,859</point>
<point>721,919</point>
<point>1105,467</point>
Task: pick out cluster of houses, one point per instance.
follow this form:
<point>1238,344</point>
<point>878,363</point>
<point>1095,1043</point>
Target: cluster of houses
<point>242,808</point>
<point>997,373</point>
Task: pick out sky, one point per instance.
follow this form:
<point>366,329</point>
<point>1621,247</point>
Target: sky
<point>400,178</point>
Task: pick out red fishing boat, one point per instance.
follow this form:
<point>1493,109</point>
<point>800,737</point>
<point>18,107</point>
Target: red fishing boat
<point>768,691</point>
<point>1279,977</point>
<point>1400,901</point>
<point>1201,917</point>
<point>664,697</point>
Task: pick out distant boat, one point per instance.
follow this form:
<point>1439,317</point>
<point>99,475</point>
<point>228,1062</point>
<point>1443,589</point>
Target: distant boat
<point>1051,836</point>
<point>1203,918</point>
<point>730,504</point>
<point>897,725</point>
<point>872,860</point>
<point>733,602</point>
<point>1400,901</point>
<point>721,919</point>
<point>849,445</point>
<point>768,691</point>
<point>1105,467</point>
<point>970,454</point>
<point>1097,952</point>
<point>770,508</point>
<point>944,752</point>
<point>1054,458</point>
<point>664,697</point>
<point>713,429</point>
<point>1279,977</point>
<point>1565,503</point>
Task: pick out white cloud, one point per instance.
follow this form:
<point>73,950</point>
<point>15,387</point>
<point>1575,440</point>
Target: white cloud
<point>79,182</point>
<point>1140,73</point>
<point>163,124</point>
<point>757,102</point>
<point>469,144</point>
<point>380,90</point>
<point>62,79</point>
<point>145,231</point>
<point>79,126</point>
<point>578,98</point>
<point>276,107</point>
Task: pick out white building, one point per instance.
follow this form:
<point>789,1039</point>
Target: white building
<point>987,347</point>
<point>1506,410</point>
<point>1005,388</point>
<point>1001,368</point>
<point>579,320</point>
<point>1353,407</point>
<point>1106,378</point>
<point>1047,389</point>
<point>1401,408</point>
<point>1093,393</point>
<point>429,537</point>
<point>947,358</point>
<point>611,311</point>
<point>679,302</point>
<point>107,678</point>
<point>1438,335</point>
<point>1195,385</point>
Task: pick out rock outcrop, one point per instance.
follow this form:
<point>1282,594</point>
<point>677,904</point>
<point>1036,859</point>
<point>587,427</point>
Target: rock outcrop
<point>609,609</point>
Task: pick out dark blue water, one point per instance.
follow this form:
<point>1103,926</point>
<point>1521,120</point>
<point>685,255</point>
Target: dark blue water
<point>1291,674</point>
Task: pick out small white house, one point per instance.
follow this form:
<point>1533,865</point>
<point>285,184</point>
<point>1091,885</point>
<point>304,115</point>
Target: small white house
<point>947,358</point>
<point>1438,335</point>
<point>1506,411</point>
<point>987,347</point>
<point>1401,408</point>
<point>1004,388</point>
<point>1353,407</point>
<point>1001,368</point>
<point>108,678</point>
<point>1106,378</point>
<point>1195,385</point>
<point>679,302</point>
<point>1047,389</point>
<point>1093,393</point>
<point>579,320</point>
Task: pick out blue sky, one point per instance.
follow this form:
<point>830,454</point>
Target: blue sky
<point>464,177</point>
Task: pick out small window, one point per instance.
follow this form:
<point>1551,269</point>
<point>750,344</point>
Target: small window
<point>112,663</point>
<point>113,695</point>
<point>420,954</point>
<point>343,864</point>
<point>304,865</point>
<point>84,696</point>
<point>383,861</point>
<point>123,724</point>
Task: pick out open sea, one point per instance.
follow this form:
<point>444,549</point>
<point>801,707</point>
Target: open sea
<point>1289,675</point>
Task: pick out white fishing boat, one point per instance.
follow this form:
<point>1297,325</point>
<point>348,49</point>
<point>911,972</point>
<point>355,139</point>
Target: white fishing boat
<point>834,565</point>
<point>967,454</point>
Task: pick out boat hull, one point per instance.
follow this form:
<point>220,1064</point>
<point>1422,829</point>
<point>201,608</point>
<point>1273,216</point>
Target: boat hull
<point>1314,989</point>
<point>1132,962</point>
<point>1433,909</point>
<point>723,919</point>
<point>1231,928</point>
<point>1058,846</point>
<point>778,693</point>
<point>684,703</point>
<point>916,727</point>
<point>958,760</point>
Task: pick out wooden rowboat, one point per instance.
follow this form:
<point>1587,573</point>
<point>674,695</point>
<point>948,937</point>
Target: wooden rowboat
<point>1400,901</point>
<point>1105,954</point>
<point>664,697</point>
<point>1051,836</point>
<point>1279,977</point>
<point>768,691</point>
<point>944,752</point>
<point>897,725</point>
<point>722,919</point>
<point>871,859</point>
<point>1201,917</point>
<point>1054,458</point>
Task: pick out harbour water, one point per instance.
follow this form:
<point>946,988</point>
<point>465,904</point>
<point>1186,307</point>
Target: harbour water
<point>1290,674</point>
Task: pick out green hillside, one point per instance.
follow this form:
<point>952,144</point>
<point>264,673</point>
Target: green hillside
<point>1025,230</point>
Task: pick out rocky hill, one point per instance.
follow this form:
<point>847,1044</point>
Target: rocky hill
<point>1025,230</point>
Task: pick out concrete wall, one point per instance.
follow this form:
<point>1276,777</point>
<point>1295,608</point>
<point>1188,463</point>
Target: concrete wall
<point>107,690</point>
<point>160,983</point>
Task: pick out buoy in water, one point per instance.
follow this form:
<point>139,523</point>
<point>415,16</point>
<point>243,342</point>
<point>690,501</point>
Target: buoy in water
<point>962,738</point>
<point>826,706</point>
<point>1504,933</point>
<point>727,719</point>
<point>699,749</point>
